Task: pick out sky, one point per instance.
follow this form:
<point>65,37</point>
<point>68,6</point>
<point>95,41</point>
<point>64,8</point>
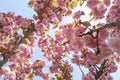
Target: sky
<point>20,7</point>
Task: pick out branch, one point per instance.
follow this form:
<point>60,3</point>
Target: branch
<point>113,24</point>
<point>5,59</point>
<point>97,44</point>
<point>101,70</point>
<point>101,28</point>
<point>108,25</point>
<point>81,71</point>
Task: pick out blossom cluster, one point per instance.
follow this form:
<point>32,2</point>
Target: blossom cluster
<point>94,46</point>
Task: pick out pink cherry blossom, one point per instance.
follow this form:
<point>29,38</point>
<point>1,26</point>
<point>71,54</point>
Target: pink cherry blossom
<point>77,14</point>
<point>39,6</point>
<point>25,51</point>
<point>67,31</point>
<point>107,2</point>
<point>53,69</point>
<point>59,49</point>
<point>101,8</point>
<point>8,30</point>
<point>79,31</point>
<point>92,3</point>
<point>117,2</point>
<point>88,76</point>
<point>10,76</point>
<point>4,70</point>
<point>99,11</point>
<point>61,3</point>
<point>94,46</point>
<point>113,17</point>
<point>68,12</point>
<point>76,44</point>
<point>89,41</point>
<point>114,44</point>
<point>38,64</point>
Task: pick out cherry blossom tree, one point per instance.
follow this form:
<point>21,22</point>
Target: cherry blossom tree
<point>93,43</point>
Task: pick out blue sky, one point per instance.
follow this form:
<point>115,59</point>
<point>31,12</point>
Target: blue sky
<point>20,7</point>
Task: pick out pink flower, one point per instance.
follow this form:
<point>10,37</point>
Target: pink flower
<point>15,66</point>
<point>10,76</point>
<point>59,49</point>
<point>40,28</point>
<point>24,24</point>
<point>22,47</point>
<point>76,44</point>
<point>8,29</point>
<point>99,11</point>
<point>107,2</point>
<point>77,14</point>
<point>45,76</point>
<point>23,76</point>
<point>15,58</point>
<point>117,2</point>
<point>114,17</point>
<point>88,76</point>
<point>92,3</point>
<point>79,31</point>
<point>25,51</point>
<point>67,31</point>
<point>53,18</point>
<point>38,64</point>
<point>114,44</point>
<point>44,15</point>
<point>59,17</point>
<point>59,37</point>
<point>53,69</point>
<point>89,41</point>
<point>38,6</point>
<point>61,3</point>
<point>35,17</point>
<point>68,12</point>
<point>103,34</point>
<point>4,71</point>
<point>101,8</point>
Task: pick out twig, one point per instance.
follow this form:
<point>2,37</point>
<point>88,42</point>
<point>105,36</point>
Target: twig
<point>81,71</point>
<point>5,59</point>
<point>97,44</point>
<point>101,28</point>
<point>101,70</point>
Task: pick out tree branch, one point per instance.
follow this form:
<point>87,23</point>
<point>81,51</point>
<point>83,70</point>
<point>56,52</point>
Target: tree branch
<point>101,70</point>
<point>108,25</point>
<point>113,24</point>
<point>5,59</point>
<point>101,28</point>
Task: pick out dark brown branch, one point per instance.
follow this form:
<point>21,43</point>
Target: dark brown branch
<point>30,30</point>
<point>113,24</point>
<point>108,25</point>
<point>6,58</point>
<point>97,44</point>
<point>101,28</point>
<point>81,71</point>
<point>101,70</point>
